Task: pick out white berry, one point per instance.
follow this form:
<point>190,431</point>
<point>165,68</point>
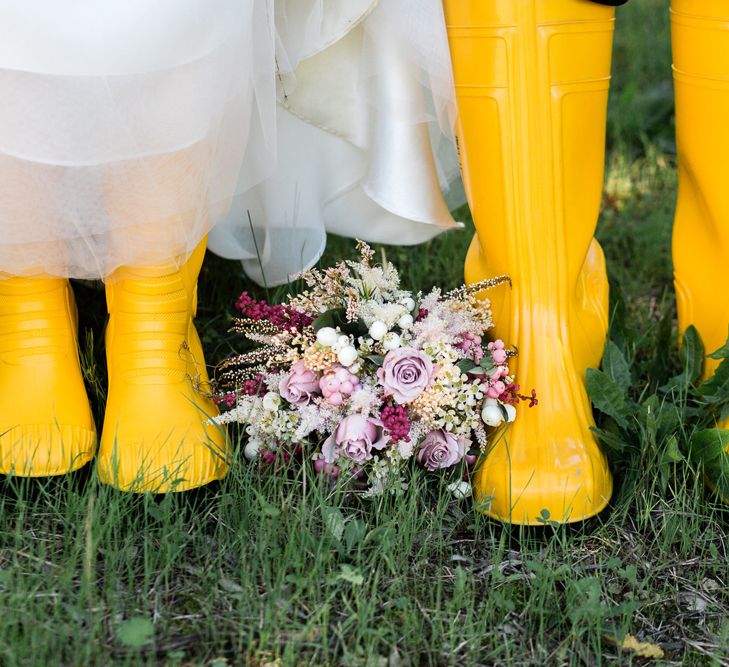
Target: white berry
<point>409,304</point>
<point>510,412</point>
<point>347,355</point>
<point>405,322</point>
<point>327,336</point>
<point>378,330</point>
<point>391,341</point>
<point>251,449</point>
<point>491,412</point>
<point>271,401</point>
<point>460,490</point>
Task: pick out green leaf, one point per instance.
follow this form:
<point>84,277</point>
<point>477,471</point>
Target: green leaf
<point>722,352</point>
<point>607,396</point>
<point>376,359</point>
<point>267,508</point>
<point>351,574</point>
<point>334,521</point>
<point>336,317</point>
<point>136,632</point>
<point>672,453</point>
<point>692,353</point>
<point>487,363</point>
<point>612,442</point>
<point>616,366</point>
<point>354,533</point>
<point>467,366</point>
<point>708,445</point>
<point>709,448</point>
<point>716,388</point>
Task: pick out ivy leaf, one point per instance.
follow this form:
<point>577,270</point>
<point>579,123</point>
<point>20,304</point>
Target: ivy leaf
<point>692,354</point>
<point>607,396</point>
<point>136,632</point>
<point>616,366</point>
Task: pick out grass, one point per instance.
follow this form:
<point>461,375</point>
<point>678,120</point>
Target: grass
<point>279,570</point>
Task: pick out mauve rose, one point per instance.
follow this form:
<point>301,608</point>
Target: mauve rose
<point>299,385</point>
<point>406,373</point>
<point>354,438</point>
<point>441,449</point>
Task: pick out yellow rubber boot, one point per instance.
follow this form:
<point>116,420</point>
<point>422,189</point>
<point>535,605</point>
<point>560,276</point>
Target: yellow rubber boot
<point>155,435</point>
<point>46,425</point>
<point>532,80</point>
<point>700,38</point>
<point>700,35</point>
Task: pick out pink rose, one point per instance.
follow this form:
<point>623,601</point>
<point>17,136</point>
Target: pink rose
<point>406,373</point>
<point>441,449</point>
<point>300,385</point>
<point>354,438</point>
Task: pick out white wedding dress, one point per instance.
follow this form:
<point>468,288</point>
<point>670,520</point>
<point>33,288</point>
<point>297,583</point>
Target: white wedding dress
<point>129,130</point>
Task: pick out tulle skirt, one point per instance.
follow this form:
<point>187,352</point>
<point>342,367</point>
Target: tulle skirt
<point>129,130</point>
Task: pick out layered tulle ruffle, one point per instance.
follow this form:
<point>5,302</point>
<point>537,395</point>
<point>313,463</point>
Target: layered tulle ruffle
<point>129,130</point>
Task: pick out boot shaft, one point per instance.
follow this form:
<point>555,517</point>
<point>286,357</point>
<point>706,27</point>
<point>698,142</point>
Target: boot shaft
<point>37,318</point>
<point>150,321</point>
<point>532,79</point>
<point>700,41</point>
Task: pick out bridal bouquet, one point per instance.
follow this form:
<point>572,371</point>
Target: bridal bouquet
<point>363,377</point>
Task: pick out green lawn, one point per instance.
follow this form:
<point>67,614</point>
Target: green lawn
<point>265,570</point>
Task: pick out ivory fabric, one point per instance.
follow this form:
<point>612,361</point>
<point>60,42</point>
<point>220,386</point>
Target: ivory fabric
<point>130,129</point>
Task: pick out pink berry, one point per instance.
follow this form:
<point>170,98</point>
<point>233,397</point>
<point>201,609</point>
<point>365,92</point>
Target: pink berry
<point>499,356</point>
<point>335,399</point>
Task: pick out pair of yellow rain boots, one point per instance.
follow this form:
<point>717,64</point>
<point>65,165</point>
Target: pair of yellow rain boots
<point>532,80</point>
<point>155,436</point>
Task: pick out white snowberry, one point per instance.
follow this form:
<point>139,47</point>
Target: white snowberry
<point>405,322</point>
<point>510,412</point>
<point>391,341</point>
<point>491,412</point>
<point>327,336</point>
<point>378,330</point>
<point>271,401</point>
<point>251,449</point>
<point>460,490</point>
<point>347,355</point>
<point>409,304</point>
